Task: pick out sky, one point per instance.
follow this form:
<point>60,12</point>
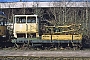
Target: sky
<point>38,0</point>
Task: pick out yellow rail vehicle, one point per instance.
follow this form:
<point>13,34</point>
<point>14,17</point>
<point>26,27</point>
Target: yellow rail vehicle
<point>3,27</point>
<point>27,29</point>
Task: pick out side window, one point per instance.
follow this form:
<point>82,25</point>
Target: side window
<point>28,21</point>
<point>1,23</point>
<point>31,20</point>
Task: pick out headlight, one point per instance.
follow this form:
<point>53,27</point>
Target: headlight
<point>4,36</point>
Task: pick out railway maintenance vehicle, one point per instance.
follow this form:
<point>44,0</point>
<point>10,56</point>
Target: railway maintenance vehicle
<point>28,29</point>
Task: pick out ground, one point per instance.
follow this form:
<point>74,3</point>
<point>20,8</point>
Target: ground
<point>43,53</point>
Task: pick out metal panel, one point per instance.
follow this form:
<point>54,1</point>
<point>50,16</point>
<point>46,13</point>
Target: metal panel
<point>46,37</point>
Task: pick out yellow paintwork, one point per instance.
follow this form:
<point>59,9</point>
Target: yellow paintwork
<point>26,28</point>
<point>77,37</point>
<point>62,37</point>
<point>2,30</point>
<point>46,37</point>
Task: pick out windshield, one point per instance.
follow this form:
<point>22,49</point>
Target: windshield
<point>20,20</point>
